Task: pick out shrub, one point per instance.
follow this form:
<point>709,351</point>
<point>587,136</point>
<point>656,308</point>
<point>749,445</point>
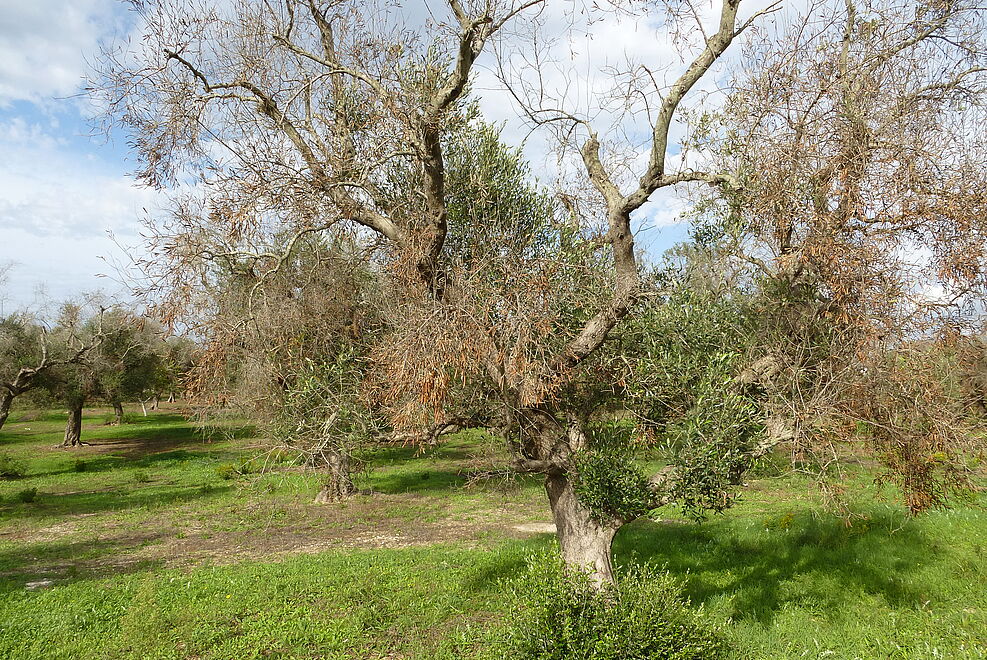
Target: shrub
<point>234,470</point>
<point>10,467</point>
<point>27,495</point>
<point>80,465</point>
<point>141,477</point>
<point>557,614</point>
<point>226,471</point>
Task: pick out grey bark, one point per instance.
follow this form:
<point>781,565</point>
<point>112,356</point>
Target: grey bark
<point>117,413</point>
<point>338,484</point>
<point>586,543</point>
<point>6,399</point>
<point>73,427</point>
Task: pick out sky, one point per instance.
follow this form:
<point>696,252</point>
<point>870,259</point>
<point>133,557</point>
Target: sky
<point>63,190</point>
<point>69,211</point>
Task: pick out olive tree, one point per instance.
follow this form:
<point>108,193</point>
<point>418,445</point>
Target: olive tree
<point>321,110</point>
<point>856,136</point>
<point>129,363</point>
<point>29,351</point>
<point>306,117</point>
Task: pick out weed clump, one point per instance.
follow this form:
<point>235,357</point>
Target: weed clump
<point>230,471</point>
<point>226,471</point>
<point>10,467</point>
<point>27,495</point>
<point>558,614</point>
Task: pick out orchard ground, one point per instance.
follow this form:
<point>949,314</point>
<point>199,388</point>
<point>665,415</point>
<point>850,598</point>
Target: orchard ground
<point>153,542</point>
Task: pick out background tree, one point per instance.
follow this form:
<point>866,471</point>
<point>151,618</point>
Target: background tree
<point>128,363</point>
<point>857,143</point>
<point>28,352</point>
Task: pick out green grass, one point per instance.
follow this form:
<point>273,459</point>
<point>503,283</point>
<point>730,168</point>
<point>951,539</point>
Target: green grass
<point>152,554</point>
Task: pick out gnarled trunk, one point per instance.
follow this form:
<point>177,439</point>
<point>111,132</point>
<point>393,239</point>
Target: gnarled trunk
<point>6,399</point>
<point>117,413</point>
<point>73,428</point>
<point>339,482</point>
<point>586,542</point>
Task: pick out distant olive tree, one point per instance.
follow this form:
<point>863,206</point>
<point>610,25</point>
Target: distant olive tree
<point>30,351</point>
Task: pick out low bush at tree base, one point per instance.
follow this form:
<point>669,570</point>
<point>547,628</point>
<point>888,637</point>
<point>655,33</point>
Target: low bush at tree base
<point>560,614</point>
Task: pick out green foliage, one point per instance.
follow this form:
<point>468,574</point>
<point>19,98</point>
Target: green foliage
<point>10,467</point>
<point>558,614</point>
<point>322,409</point>
<point>713,445</point>
<point>680,346</point>
<point>79,465</point>
<point>608,482</point>
<point>229,471</point>
<point>690,348</point>
<point>27,495</point>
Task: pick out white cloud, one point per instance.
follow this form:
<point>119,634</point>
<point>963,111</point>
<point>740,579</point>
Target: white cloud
<point>48,191</point>
<point>57,208</point>
<point>61,267</point>
<point>44,45</point>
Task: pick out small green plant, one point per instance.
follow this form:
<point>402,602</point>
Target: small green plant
<point>80,465</point>
<point>227,471</point>
<point>10,467</point>
<point>27,495</point>
<point>141,477</point>
<point>233,470</point>
<point>557,614</point>
<point>781,522</point>
<point>247,466</point>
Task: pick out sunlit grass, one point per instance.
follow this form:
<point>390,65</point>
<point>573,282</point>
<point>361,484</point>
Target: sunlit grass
<point>787,579</point>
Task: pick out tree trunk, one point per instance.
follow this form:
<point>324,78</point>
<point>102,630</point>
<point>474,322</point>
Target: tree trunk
<point>171,397</point>
<point>155,402</point>
<point>73,428</point>
<point>117,413</point>
<point>586,542</point>
<point>339,482</point>
<point>6,399</point>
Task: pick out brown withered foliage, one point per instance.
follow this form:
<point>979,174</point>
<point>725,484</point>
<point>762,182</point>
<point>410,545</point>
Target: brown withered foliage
<point>858,142</point>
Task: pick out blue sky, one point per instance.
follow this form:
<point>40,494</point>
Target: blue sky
<point>67,204</point>
<point>62,189</point>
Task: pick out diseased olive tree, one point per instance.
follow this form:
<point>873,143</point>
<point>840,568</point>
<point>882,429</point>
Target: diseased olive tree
<point>305,117</point>
<point>856,136</point>
<point>288,348</point>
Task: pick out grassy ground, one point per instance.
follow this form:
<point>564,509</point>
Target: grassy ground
<point>138,547</point>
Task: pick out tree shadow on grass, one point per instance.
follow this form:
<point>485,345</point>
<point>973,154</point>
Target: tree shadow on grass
<point>444,451</point>
<point>423,481</point>
<point>120,461</point>
<point>73,504</point>
<point>508,562</point>
<point>814,561</point>
<point>62,562</point>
